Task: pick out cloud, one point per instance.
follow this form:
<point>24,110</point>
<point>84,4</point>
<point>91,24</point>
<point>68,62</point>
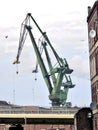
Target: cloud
<point>66,27</point>
<point>80,66</point>
<point>67,33</point>
<point>69,39</point>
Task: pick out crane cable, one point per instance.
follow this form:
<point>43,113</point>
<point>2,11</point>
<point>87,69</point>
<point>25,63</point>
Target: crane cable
<point>41,50</point>
<point>23,35</point>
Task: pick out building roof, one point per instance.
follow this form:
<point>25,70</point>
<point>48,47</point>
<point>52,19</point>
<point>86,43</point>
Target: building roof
<point>91,10</point>
<point>3,103</point>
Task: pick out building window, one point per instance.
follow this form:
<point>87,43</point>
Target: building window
<point>94,99</point>
<point>96,60</point>
<point>96,29</point>
<point>97,92</point>
<point>92,67</point>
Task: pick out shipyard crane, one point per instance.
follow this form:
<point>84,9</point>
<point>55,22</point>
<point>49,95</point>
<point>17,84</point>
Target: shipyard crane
<point>57,77</point>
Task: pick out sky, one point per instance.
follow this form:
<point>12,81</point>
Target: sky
<point>66,25</point>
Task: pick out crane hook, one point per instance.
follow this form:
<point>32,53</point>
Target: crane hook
<point>17,69</point>
<point>17,72</point>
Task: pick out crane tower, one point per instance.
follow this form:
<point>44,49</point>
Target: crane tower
<point>57,77</point>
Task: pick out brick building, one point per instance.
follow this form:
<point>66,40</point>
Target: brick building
<point>92,21</point>
<point>40,127</point>
<point>16,109</point>
<point>46,127</point>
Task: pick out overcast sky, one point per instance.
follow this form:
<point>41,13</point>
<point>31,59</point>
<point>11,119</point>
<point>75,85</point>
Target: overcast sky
<point>66,26</point>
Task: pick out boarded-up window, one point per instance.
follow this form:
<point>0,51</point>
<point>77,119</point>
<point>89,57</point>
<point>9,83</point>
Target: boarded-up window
<point>92,66</point>
<point>96,60</point>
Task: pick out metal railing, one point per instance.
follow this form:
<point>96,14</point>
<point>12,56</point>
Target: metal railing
<point>59,110</point>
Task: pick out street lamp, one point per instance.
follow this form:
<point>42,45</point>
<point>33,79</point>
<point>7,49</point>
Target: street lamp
<point>92,33</point>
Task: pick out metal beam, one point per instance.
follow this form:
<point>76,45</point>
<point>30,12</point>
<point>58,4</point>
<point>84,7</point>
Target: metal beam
<point>37,118</point>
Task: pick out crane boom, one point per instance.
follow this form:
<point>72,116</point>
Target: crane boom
<point>42,66</point>
<point>46,38</point>
<point>56,77</point>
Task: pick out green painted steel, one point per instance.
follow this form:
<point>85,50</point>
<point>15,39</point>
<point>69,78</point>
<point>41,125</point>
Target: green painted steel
<point>56,77</point>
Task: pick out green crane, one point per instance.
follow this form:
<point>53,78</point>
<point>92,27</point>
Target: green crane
<point>56,76</point>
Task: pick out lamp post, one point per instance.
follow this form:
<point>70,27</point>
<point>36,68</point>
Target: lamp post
<point>25,120</point>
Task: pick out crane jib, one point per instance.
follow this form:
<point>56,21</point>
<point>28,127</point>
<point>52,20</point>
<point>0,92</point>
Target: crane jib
<point>56,79</point>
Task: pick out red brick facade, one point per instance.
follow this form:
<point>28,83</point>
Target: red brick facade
<point>92,20</point>
<point>41,127</point>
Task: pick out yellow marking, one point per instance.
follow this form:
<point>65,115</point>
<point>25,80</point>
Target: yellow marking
<point>37,116</point>
<point>95,111</point>
<point>94,79</point>
<point>94,47</point>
